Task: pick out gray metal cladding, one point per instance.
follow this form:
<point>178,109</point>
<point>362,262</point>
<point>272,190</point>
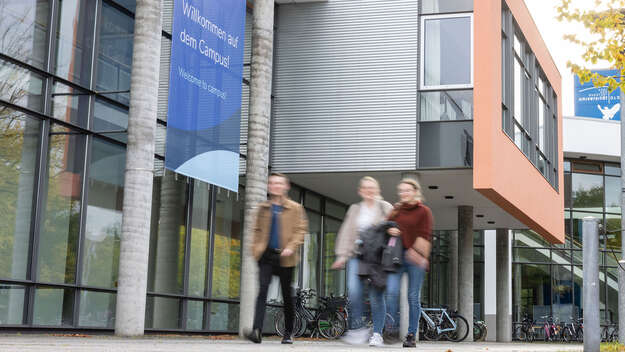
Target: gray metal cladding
<point>345,86</point>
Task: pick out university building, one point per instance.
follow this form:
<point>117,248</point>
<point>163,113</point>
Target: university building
<point>464,95</point>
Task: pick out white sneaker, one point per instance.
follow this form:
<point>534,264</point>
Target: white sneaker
<point>376,340</point>
<point>356,336</point>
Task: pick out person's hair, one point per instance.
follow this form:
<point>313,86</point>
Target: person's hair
<point>374,181</point>
<point>417,187</point>
<point>279,174</point>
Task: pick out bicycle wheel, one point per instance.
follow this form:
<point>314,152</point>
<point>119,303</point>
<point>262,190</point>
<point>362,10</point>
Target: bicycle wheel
<point>566,335</point>
<point>520,333</point>
<point>333,326</point>
<point>530,334</point>
<point>477,332</point>
<point>278,321</point>
<point>462,329</point>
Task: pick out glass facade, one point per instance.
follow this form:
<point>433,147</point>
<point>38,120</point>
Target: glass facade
<point>547,279</point>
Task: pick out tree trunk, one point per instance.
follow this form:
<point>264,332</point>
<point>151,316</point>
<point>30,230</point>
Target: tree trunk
<point>257,160</point>
<point>135,240</point>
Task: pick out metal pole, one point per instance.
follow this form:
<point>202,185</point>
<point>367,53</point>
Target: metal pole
<point>621,275</point>
<point>590,239</point>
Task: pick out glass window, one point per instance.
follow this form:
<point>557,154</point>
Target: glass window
<point>442,6</point>
<point>310,254</point>
<point>109,117</point>
<point>53,307</point>
<point>104,214</point>
<point>61,214</point>
<point>70,104</point>
<point>611,282</point>
<point>563,307</point>
<point>532,255</point>
<point>567,191</point>
<point>567,166</point>
<point>195,315</point>
<point>446,144</point>
<point>74,35</point>
<point>224,317</point>
<point>612,194</point>
<point>578,220</point>
<point>518,92</point>
<point>529,238</point>
<point>115,53</point>
<point>613,169</point>
<point>312,201</point>
<point>333,280</point>
<point>24,29</point>
<point>130,5</point>
<point>531,291</point>
<point>541,125</point>
<point>447,57</point>
<point>169,205</point>
<point>613,235</point>
<point>19,145</point>
<point>295,193</point>
<point>162,313</point>
<point>227,244</point>
<point>587,192</point>
<point>335,209</point>
<point>200,235</point>
<point>20,87</point>
<point>11,304</point>
<point>97,309</point>
<point>447,105</point>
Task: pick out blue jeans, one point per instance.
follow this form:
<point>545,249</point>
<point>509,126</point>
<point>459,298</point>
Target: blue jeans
<point>415,280</point>
<point>355,292</point>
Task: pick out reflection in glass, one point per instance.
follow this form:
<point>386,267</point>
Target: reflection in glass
<point>97,309</point>
<point>447,52</point>
<point>563,307</point>
<point>74,35</point>
<point>69,104</point>
<point>109,117</point>
<point>53,307</point>
<point>447,105</point>
<point>613,294</point>
<point>335,209</point>
<point>104,214</point>
<point>518,92</point>
<point>612,194</point>
<point>611,169</point>
<point>195,315</point>
<point>333,280</point>
<point>587,192</point>
<point>531,291</point>
<point>578,220</point>
<point>162,313</point>
<point>168,237</point>
<point>312,201</point>
<point>441,6</point>
<point>115,53</point>
<point>310,256</point>
<point>11,304</point>
<point>613,233</point>
<point>61,214</point>
<point>200,234</point>
<point>23,30</point>
<point>224,317</point>
<point>227,244</point>
<point>19,145</point>
<point>532,255</point>
<point>20,87</point>
<point>446,144</point>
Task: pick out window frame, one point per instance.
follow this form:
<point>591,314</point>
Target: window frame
<point>422,85</point>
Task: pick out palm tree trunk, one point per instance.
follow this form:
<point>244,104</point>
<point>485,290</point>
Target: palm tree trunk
<point>135,241</point>
<point>257,160</point>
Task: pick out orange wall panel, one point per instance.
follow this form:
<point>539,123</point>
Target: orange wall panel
<point>501,172</point>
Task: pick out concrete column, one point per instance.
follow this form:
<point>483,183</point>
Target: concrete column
<point>452,298</point>
<point>590,232</point>
<point>404,308</point>
<point>490,284</point>
<point>465,266</point>
<point>504,311</point>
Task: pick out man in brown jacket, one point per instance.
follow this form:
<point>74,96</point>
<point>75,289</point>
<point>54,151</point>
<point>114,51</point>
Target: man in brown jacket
<point>279,230</point>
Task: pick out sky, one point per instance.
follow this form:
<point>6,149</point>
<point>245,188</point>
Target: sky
<point>552,31</point>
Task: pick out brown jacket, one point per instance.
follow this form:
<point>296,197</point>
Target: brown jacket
<point>293,228</point>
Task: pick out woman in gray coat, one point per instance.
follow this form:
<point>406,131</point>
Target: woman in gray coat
<point>370,211</point>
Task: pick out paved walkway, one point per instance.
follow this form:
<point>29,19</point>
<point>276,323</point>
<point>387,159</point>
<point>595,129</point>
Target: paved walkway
<point>84,343</point>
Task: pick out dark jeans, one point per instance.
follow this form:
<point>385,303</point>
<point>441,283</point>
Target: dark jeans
<point>268,266</point>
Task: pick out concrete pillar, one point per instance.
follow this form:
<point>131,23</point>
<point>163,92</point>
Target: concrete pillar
<point>452,298</point>
<point>465,266</point>
<point>592,334</point>
<point>404,308</point>
<point>504,311</point>
<point>490,284</point>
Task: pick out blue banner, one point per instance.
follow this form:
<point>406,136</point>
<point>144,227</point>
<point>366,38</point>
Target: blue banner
<point>597,102</point>
<point>204,107</point>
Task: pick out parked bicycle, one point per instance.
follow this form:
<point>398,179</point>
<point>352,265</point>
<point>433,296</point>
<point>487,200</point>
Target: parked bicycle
<point>525,331</point>
<point>480,330</point>
<point>609,333</point>
<point>327,321</point>
<point>438,323</point>
<point>551,329</point>
<point>573,331</point>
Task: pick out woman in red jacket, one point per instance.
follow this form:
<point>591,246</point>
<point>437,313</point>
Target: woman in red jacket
<point>415,222</point>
